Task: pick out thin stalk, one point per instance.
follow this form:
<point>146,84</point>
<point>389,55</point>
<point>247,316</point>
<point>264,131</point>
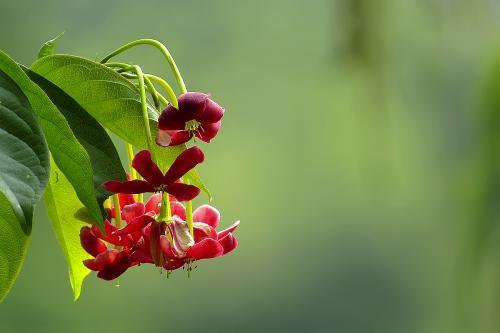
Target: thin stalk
<point>118,214</point>
<point>163,50</point>
<point>164,84</point>
<point>165,211</point>
<point>133,173</point>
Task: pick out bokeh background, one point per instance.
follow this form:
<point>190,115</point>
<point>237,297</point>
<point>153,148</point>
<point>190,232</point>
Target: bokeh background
<point>360,149</point>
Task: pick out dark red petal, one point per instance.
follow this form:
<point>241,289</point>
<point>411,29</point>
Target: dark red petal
<point>129,187</point>
<point>130,212</point>
<point>207,248</point>
<point>148,169</point>
<point>174,264</point>
<point>186,160</point>
<point>206,132</point>
<point>172,119</point>
<point>229,243</point>
<point>213,113</point>
<point>116,268</point>
<point>207,214</point>
<point>192,104</point>
<point>102,260</point>
<point>153,204</point>
<point>135,225</point>
<point>91,243</point>
<point>224,232</point>
<point>157,229</point>
<point>183,192</point>
<point>178,209</point>
<point>172,138</point>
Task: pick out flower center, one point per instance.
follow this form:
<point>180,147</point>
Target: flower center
<point>192,125</point>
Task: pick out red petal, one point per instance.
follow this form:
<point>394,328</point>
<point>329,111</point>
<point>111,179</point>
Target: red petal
<point>224,232</point>
<point>125,199</point>
<point>116,268</point>
<point>213,113</point>
<point>157,229</point>
<point>183,192</point>
<point>192,104</point>
<point>174,264</point>
<point>172,138</point>
<point>178,209</point>
<point>167,249</point>
<point>135,225</point>
<point>186,160</point>
<point>130,212</point>
<point>144,164</point>
<point>172,119</point>
<point>129,187</point>
<point>206,132</point>
<point>207,214</point>
<point>153,204</point>
<point>229,243</point>
<point>207,248</point>
<point>202,231</point>
<point>91,243</point>
<point>102,260</point>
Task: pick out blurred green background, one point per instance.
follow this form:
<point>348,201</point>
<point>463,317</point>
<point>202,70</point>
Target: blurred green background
<point>360,150</point>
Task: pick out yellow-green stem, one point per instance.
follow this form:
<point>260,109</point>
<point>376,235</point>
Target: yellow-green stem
<point>118,214</point>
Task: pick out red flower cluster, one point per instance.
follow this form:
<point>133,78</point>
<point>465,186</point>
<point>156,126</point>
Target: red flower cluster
<point>150,237</point>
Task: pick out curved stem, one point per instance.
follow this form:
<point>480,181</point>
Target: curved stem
<point>144,107</point>
<point>165,211</point>
<point>189,215</point>
<point>164,84</point>
<point>164,51</point>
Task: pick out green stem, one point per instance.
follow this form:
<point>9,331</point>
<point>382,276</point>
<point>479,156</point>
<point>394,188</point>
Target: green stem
<point>133,173</point>
<point>164,84</point>
<point>164,51</point>
<point>189,215</point>
<point>144,107</point>
<point>118,214</point>
<point>165,211</point>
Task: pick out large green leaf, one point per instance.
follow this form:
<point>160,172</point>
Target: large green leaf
<point>64,207</point>
<point>24,171</point>
<point>13,244</point>
<point>105,160</point>
<point>68,153</point>
<point>111,99</point>
<point>24,160</point>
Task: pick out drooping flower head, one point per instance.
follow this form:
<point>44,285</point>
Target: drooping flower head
<point>155,180</point>
<point>197,115</point>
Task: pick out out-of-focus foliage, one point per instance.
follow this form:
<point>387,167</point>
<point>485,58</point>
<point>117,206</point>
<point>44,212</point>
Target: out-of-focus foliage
<point>359,149</point>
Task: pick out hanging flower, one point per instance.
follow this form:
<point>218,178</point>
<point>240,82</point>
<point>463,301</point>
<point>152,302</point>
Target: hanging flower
<point>155,180</point>
<point>180,247</point>
<point>197,115</point>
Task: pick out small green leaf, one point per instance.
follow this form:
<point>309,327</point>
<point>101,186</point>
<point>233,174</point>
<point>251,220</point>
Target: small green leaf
<point>105,160</point>
<point>67,152</point>
<point>13,244</point>
<point>63,207</point>
<point>111,99</point>
<point>49,46</point>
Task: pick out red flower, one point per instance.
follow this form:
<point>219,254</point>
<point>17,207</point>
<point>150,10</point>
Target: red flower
<point>179,247</point>
<point>155,180</point>
<point>197,115</point>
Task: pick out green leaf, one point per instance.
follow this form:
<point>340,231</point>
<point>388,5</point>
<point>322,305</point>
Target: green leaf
<point>49,46</point>
<point>68,153</point>
<point>105,160</point>
<point>24,166</point>
<point>13,244</point>
<point>63,207</point>
<point>24,172</point>
<point>111,99</point>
